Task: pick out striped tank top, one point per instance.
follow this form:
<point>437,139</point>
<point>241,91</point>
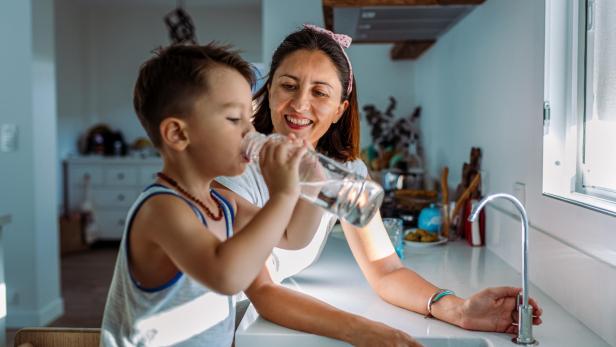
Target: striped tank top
<point>181,312</point>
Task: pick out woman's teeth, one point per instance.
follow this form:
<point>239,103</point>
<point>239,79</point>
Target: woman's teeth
<point>298,121</point>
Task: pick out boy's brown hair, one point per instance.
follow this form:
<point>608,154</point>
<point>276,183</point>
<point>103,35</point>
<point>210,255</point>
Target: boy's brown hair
<point>169,83</point>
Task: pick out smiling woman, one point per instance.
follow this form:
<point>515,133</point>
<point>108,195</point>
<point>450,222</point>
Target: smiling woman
<point>310,92</point>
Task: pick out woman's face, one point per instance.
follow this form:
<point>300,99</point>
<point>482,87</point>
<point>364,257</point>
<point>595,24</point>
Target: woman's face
<point>305,95</point>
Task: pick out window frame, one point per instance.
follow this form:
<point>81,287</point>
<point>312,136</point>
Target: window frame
<point>566,86</point>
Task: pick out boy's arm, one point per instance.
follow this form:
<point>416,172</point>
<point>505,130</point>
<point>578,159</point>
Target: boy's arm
<point>304,221</point>
<point>224,266</point>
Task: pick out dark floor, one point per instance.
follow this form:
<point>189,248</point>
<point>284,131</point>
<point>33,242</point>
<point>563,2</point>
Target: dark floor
<point>85,281</point>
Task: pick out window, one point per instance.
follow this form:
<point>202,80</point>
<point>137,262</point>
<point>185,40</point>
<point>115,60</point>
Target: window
<point>579,159</point>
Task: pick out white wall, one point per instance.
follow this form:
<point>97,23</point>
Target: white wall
<point>101,46</point>
<point>482,85</point>
<point>28,99</point>
<point>378,77</point>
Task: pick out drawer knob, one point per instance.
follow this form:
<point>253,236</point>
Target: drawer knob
<point>121,222</point>
<point>121,197</point>
<point>120,176</point>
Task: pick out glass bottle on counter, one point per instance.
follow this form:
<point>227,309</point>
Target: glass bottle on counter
<point>326,183</point>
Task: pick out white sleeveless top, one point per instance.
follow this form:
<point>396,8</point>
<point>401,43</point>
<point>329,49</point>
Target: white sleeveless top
<point>285,263</point>
<point>181,312</point>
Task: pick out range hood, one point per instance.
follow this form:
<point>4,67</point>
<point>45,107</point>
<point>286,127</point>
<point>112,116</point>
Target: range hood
<point>412,25</point>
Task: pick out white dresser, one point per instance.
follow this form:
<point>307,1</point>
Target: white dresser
<point>115,183</point>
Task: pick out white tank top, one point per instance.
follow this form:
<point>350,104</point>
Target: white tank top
<point>181,312</point>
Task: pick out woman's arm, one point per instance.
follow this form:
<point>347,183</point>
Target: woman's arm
<point>300,230</point>
<point>298,311</point>
<point>488,310</point>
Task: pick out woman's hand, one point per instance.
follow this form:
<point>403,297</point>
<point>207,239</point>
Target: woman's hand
<point>495,309</point>
<point>378,334</point>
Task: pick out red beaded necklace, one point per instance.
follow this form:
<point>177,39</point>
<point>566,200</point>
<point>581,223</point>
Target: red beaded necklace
<point>175,185</point>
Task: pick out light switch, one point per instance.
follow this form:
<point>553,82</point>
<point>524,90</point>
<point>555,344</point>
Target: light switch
<point>8,137</point>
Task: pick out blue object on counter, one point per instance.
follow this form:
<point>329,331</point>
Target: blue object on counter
<point>430,219</point>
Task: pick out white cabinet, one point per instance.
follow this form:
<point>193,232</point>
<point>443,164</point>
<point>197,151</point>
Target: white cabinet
<point>114,185</point>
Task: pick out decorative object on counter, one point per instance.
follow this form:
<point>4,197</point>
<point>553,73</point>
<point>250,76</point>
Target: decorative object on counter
<point>180,26</point>
<point>101,140</point>
<point>395,230</point>
<point>144,148</point>
<point>468,190</point>
<point>395,141</point>
<point>430,219</point>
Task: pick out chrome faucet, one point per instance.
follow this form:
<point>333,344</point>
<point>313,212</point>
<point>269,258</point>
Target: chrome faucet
<point>525,311</point>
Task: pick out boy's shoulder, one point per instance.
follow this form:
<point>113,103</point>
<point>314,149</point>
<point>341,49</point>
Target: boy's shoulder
<point>229,195</point>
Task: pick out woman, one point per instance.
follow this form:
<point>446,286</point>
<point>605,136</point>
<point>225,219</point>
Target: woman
<point>310,92</point>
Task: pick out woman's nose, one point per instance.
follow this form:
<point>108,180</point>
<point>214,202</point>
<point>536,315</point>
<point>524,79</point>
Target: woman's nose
<point>300,101</point>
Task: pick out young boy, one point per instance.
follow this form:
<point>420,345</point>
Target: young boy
<point>178,265</point>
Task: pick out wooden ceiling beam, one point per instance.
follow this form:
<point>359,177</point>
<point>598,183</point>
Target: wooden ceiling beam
<point>328,17</point>
<point>371,3</point>
<point>409,50</point>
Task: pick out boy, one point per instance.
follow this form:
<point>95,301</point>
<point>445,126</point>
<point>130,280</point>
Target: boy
<point>178,265</point>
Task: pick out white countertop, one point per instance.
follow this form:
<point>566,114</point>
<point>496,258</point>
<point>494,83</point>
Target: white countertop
<point>337,280</point>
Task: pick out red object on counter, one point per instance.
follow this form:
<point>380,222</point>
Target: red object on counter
<point>474,232</point>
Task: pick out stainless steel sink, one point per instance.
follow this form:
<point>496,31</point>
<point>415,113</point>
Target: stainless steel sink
<point>454,342</point>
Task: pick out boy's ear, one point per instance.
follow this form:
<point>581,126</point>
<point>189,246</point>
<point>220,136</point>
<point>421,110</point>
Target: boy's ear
<point>173,133</point>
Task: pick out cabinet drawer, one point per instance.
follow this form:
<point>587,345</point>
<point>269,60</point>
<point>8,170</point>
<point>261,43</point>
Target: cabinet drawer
<point>77,174</point>
<point>114,197</point>
<point>148,174</point>
<point>110,224</point>
<point>120,175</point>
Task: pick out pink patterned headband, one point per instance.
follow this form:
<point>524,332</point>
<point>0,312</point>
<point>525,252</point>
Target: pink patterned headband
<point>344,41</point>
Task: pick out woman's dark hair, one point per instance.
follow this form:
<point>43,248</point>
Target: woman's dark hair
<point>341,141</point>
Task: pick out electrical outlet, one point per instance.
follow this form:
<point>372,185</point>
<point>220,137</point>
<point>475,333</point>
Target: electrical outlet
<point>519,191</point>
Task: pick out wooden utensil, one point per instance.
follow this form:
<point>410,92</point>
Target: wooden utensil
<point>445,197</point>
<point>465,195</point>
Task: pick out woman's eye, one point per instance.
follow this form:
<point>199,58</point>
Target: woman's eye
<point>288,86</point>
<point>233,119</point>
<point>320,93</point>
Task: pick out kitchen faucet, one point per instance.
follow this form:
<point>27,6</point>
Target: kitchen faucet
<point>525,311</point>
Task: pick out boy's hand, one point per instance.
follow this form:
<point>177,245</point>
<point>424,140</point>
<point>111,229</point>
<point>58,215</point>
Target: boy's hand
<point>379,334</point>
<point>279,163</point>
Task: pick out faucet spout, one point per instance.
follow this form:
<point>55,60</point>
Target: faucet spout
<point>525,311</point>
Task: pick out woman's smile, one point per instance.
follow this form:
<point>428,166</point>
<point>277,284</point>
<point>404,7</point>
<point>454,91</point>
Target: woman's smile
<point>297,122</point>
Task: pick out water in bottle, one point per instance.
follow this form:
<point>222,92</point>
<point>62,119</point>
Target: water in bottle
<point>326,183</point>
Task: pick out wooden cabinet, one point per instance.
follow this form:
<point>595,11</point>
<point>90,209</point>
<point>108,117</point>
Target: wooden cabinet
<point>114,184</point>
